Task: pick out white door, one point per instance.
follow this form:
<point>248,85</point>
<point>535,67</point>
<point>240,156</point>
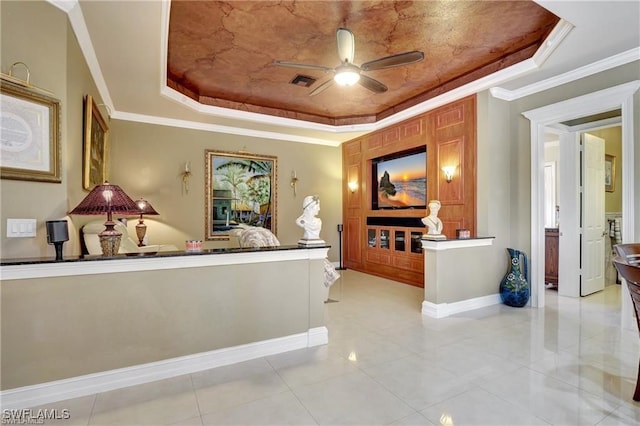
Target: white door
<point>569,202</point>
<point>592,216</point>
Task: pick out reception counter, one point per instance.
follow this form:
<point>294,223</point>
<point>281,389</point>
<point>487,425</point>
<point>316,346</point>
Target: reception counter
<point>91,324</point>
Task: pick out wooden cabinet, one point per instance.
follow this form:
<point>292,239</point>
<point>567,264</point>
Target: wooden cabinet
<point>551,243</point>
<point>396,248</point>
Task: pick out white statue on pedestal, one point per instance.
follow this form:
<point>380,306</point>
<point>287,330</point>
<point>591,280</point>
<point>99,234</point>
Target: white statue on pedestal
<point>310,222</point>
<point>433,222</point>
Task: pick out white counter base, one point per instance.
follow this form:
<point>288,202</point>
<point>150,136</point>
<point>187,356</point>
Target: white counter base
<point>443,310</point>
<point>75,387</point>
<point>443,274</point>
<point>127,321</point>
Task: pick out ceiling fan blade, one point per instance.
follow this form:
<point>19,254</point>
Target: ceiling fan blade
<point>346,45</point>
<point>297,65</point>
<point>393,61</point>
<point>324,86</point>
<point>371,84</point>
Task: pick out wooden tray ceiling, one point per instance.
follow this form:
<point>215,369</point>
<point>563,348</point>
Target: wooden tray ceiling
<point>221,53</point>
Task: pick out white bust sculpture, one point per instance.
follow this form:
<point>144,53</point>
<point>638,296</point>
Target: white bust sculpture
<point>433,222</point>
<point>309,221</point>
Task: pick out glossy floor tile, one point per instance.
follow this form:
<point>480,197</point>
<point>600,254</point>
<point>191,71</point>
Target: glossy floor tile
<point>566,364</point>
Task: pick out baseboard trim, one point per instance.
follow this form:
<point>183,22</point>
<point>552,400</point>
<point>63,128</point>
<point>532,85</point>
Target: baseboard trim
<point>442,310</point>
<point>59,390</point>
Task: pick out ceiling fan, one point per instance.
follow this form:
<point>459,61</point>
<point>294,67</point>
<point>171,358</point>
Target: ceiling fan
<point>347,73</point>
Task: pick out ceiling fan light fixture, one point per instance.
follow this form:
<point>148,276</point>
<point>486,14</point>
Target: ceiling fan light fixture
<point>347,75</point>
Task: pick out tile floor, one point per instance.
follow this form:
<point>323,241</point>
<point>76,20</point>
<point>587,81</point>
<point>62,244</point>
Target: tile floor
<point>569,364</point>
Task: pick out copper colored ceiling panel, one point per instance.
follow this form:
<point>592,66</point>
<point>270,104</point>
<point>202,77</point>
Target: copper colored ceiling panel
<point>222,53</point>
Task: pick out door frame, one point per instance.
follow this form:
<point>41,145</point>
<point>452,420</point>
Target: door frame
<point>617,97</point>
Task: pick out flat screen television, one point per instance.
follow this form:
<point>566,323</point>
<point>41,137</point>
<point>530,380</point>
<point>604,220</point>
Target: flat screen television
<point>400,180</point>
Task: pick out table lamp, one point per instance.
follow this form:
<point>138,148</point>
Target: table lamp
<point>57,234</point>
<point>141,229</point>
<point>109,199</point>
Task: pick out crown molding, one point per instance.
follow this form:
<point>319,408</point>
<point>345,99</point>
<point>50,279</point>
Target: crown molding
<point>623,58</point>
<point>218,128</point>
<point>64,5</point>
<point>255,117</point>
<point>76,19</point>
<point>559,32</point>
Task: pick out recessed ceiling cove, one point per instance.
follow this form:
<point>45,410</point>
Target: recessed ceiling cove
<point>222,53</point>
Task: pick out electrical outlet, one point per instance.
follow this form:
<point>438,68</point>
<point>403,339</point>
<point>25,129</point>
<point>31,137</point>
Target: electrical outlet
<point>21,228</point>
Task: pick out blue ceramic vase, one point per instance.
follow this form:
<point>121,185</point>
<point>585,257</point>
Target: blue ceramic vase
<point>514,287</point>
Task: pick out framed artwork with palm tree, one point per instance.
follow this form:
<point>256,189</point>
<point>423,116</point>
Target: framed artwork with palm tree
<point>240,190</point>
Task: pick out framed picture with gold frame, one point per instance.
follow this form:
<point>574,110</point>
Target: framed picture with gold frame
<point>30,126</point>
<point>240,189</point>
<point>609,173</point>
<point>95,163</point>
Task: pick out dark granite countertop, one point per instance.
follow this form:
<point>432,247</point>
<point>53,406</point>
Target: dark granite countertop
<point>457,239</point>
<point>86,258</point>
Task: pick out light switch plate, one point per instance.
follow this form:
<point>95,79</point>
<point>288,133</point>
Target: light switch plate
<point>21,228</point>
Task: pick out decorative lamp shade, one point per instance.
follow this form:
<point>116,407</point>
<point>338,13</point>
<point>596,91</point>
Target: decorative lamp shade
<point>109,199</point>
<point>144,207</point>
<point>141,229</point>
<point>106,198</point>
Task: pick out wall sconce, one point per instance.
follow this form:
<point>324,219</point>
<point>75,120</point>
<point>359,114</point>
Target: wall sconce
<point>186,175</point>
<point>448,172</point>
<point>294,182</point>
<point>352,186</point>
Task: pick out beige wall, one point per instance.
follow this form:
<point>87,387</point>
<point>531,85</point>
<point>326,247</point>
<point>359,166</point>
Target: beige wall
<point>504,163</point>
<point>613,146</point>
<point>29,25</point>
<point>519,179</point>
<point>146,159</point>
<point>495,179</point>
<point>62,327</point>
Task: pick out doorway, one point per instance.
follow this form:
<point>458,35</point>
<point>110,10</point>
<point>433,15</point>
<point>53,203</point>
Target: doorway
<point>552,115</point>
<point>587,206</point>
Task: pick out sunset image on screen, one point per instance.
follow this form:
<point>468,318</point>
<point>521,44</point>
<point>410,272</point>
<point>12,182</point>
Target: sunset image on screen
<point>402,181</point>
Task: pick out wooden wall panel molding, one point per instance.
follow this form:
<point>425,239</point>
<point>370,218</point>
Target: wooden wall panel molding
<point>390,136</point>
<point>449,135</point>
<point>450,116</point>
<point>352,147</point>
<point>451,153</point>
<point>354,199</point>
<point>449,226</point>
<point>412,128</point>
<point>353,242</point>
<point>352,202</point>
<point>373,141</point>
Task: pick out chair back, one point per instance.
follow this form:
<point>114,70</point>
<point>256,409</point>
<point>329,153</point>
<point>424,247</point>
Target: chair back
<point>630,252</point>
<point>627,262</point>
<point>631,273</point>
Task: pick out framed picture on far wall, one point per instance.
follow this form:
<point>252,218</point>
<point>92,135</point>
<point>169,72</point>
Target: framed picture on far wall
<point>240,189</point>
<point>96,146</point>
<point>29,125</point>
<point>609,173</point>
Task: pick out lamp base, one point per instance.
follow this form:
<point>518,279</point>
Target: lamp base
<point>110,239</point>
<point>141,231</point>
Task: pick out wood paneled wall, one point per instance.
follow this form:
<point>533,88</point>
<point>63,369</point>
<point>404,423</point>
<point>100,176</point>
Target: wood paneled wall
<point>449,134</point>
